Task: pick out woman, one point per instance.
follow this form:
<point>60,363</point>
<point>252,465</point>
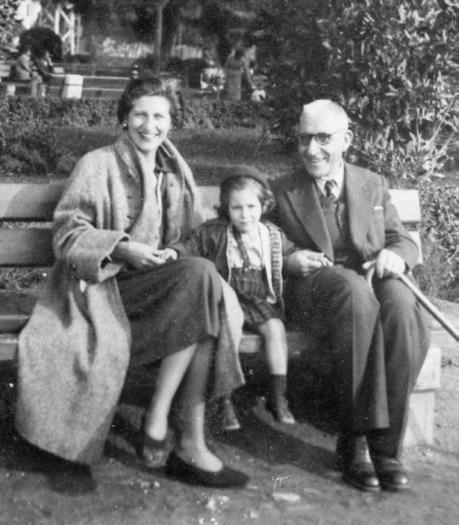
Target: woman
<point>23,66</point>
<point>118,298</point>
<point>237,68</point>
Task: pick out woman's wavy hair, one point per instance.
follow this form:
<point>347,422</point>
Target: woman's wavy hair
<point>141,87</point>
<point>245,177</point>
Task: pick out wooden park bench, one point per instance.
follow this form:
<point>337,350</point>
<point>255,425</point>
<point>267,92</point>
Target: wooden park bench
<point>91,87</point>
<point>5,70</point>
<point>95,69</point>
<point>25,241</point>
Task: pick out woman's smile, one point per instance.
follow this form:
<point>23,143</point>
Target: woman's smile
<point>149,122</point>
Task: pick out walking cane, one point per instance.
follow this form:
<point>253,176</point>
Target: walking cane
<point>431,308</point>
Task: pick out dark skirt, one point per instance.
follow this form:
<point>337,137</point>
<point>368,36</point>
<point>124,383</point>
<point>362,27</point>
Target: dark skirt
<point>252,290</point>
<point>170,307</point>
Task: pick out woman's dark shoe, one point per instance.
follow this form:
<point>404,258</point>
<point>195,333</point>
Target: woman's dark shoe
<point>391,474</point>
<point>226,477</point>
<point>280,410</point>
<point>151,451</point>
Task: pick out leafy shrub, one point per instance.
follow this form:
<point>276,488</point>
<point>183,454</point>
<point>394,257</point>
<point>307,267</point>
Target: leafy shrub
<point>437,274</point>
<point>41,39</point>
<point>32,143</point>
<point>208,112</point>
<point>292,57</point>
<point>440,239</point>
<point>34,151</point>
<point>86,112</point>
<point>402,163</point>
<point>385,61</point>
<point>440,208</point>
<point>9,26</point>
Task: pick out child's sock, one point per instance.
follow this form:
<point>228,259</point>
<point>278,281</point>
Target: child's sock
<point>278,384</point>
<point>277,402</point>
<point>229,416</point>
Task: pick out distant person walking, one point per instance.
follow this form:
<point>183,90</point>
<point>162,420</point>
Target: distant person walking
<point>237,69</point>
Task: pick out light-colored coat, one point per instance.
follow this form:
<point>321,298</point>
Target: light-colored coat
<point>74,352</point>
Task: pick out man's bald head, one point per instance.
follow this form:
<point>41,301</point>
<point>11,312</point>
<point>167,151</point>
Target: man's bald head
<point>323,137</point>
<point>324,109</point>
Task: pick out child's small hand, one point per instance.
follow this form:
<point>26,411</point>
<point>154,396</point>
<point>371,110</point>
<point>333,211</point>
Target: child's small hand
<point>303,262</point>
<point>168,254</point>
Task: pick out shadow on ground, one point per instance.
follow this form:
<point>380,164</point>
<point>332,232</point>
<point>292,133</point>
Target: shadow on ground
<point>260,437</point>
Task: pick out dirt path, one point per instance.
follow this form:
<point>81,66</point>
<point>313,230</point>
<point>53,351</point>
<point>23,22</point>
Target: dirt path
<point>293,481</point>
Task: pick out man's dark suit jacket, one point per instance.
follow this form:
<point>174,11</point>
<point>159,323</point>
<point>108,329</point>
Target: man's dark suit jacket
<point>374,223</point>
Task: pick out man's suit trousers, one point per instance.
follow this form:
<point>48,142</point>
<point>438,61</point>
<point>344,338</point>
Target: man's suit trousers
<point>376,341</point>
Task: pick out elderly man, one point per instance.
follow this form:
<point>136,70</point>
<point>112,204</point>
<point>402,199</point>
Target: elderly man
<point>342,218</point>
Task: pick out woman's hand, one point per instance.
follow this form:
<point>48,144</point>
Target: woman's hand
<point>139,255</point>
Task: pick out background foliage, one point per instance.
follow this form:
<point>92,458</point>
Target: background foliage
<point>8,25</point>
<point>385,61</point>
<point>34,132</point>
<point>389,63</point>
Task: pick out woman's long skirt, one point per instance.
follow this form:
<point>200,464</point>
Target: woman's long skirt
<point>170,307</point>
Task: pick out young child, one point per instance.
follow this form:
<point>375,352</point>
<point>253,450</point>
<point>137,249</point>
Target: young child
<point>248,251</point>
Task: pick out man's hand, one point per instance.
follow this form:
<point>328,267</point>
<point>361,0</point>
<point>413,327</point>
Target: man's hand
<point>140,255</point>
<point>304,262</point>
<point>387,264</point>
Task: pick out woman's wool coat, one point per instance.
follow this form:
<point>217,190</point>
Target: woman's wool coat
<point>74,352</point>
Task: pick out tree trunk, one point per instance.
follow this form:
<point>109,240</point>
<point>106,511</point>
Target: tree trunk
<point>159,34</point>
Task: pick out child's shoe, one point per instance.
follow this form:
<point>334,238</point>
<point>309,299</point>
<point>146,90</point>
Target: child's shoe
<point>279,409</point>
<point>229,416</point>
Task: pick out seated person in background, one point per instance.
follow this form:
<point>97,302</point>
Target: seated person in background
<point>44,64</point>
<point>44,67</point>
<point>248,253</point>
<point>343,219</point>
<point>23,66</point>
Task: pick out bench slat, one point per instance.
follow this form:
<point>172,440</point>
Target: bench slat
<point>101,93</point>
<point>12,323</point>
<point>8,347</point>
<point>104,82</point>
<point>26,247</point>
<point>34,202</point>
<point>407,204</point>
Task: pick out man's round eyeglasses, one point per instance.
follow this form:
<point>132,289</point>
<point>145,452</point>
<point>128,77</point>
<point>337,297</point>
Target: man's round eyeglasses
<point>321,138</point>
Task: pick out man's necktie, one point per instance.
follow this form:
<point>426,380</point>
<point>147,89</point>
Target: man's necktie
<point>329,187</point>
